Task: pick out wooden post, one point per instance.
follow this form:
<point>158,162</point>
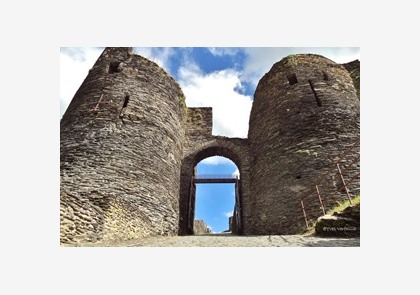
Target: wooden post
<point>97,105</point>
<point>344,183</point>
<point>320,200</point>
<point>304,214</point>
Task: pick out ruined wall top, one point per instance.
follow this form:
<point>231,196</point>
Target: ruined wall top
<point>199,122</point>
<point>118,73</point>
<point>353,68</point>
<point>302,67</point>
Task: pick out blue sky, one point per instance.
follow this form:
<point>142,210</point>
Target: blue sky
<point>222,78</point>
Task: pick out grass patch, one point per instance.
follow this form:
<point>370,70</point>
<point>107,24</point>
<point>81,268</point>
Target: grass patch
<point>338,208</point>
<point>183,103</point>
<point>343,205</point>
<point>291,60</point>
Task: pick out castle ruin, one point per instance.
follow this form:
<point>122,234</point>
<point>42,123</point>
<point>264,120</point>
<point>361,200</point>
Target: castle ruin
<point>129,145</point>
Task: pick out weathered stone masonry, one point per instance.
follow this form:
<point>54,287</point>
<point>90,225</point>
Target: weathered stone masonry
<point>305,114</point>
<point>128,147</point>
<point>200,144</point>
<point>121,148</point>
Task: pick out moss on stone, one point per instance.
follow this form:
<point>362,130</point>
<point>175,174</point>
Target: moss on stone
<point>197,116</point>
<point>355,76</point>
<point>291,60</point>
<point>183,103</point>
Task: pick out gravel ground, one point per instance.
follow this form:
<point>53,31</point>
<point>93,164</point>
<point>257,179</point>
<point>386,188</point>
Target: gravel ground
<point>228,240</point>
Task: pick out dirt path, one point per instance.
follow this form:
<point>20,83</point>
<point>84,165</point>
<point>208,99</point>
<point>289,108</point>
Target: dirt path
<point>227,240</point>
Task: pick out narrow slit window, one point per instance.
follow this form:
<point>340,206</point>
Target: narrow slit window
<point>292,79</point>
<point>318,100</point>
<point>126,99</point>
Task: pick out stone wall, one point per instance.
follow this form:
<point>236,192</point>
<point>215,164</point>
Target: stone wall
<point>199,123</point>
<point>120,152</point>
<point>129,146</point>
<point>304,115</point>
<point>199,144</point>
<point>200,227</point>
<point>353,68</point>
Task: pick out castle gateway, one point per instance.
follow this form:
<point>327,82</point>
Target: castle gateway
<point>129,145</point>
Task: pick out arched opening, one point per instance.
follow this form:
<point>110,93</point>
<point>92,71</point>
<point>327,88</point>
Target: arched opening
<point>215,181</point>
<point>191,181</point>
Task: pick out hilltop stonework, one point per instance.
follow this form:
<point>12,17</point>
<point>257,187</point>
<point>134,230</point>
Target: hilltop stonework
<point>129,145</point>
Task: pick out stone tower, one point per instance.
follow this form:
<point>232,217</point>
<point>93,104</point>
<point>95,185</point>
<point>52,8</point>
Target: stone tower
<point>120,152</point>
<point>129,145</point>
<point>305,114</point>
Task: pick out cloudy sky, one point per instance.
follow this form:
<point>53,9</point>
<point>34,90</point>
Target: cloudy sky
<point>222,78</point>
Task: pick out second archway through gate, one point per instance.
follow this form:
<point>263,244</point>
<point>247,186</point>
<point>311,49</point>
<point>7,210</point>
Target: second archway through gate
<point>231,149</point>
<point>216,181</point>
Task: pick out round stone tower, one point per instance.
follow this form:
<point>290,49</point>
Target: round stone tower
<point>304,116</point>
<point>120,152</point>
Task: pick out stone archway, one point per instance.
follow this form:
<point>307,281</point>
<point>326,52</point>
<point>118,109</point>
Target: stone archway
<point>235,149</point>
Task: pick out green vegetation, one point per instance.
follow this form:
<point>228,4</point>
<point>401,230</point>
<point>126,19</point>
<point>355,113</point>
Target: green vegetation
<point>197,116</point>
<point>355,76</point>
<point>291,60</point>
<point>343,205</point>
<point>183,103</point>
<point>338,208</point>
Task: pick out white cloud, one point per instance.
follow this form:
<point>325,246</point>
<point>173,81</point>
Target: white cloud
<point>259,61</point>
<point>75,64</point>
<point>220,51</point>
<point>217,90</point>
<point>228,214</point>
<point>189,71</point>
<point>236,173</point>
<point>216,160</point>
<point>144,51</point>
<point>160,55</point>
